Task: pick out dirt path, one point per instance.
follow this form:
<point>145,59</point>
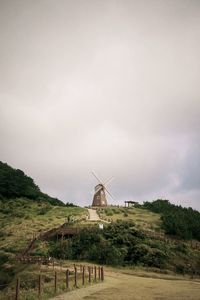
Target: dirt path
<point>130,287</point>
<point>93,216</point>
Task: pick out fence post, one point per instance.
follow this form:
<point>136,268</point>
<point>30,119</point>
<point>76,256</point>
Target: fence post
<point>67,279</point>
<point>17,289</point>
<point>95,273</point>
<point>55,283</point>
<point>102,274</point>
<point>39,285</point>
<point>75,276</point>
<point>89,270</point>
<point>99,275</point>
<point>83,276</point>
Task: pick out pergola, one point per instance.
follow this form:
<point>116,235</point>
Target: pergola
<point>130,203</point>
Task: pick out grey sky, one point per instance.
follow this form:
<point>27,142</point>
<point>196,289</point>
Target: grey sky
<point>110,86</point>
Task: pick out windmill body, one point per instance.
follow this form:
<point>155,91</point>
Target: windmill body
<point>99,198</point>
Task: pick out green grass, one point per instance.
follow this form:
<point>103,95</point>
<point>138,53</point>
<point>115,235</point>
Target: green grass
<point>142,218</point>
<point>22,219</point>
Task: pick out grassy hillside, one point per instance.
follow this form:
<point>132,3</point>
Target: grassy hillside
<point>177,220</point>
<point>143,218</point>
<point>121,243</point>
<point>131,239</point>
<point>20,220</point>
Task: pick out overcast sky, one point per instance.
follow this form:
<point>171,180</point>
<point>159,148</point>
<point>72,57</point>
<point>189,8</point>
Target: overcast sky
<point>103,85</point>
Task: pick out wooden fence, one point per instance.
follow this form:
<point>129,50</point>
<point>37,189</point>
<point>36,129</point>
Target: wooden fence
<point>62,280</point>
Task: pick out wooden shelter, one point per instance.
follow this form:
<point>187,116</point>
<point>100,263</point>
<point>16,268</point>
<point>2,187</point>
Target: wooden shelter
<point>130,203</point>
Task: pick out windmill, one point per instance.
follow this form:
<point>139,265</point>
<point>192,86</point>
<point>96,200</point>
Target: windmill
<point>99,198</point>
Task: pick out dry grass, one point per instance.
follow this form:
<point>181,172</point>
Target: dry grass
<point>29,279</point>
<point>17,231</point>
<point>143,219</point>
<point>138,285</point>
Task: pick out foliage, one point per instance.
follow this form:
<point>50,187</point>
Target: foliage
<point>14,183</point>
<point>178,221</point>
<point>117,244</point>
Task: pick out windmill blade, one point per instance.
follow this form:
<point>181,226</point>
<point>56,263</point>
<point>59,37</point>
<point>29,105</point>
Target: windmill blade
<point>109,193</point>
<point>93,173</point>
<point>108,181</point>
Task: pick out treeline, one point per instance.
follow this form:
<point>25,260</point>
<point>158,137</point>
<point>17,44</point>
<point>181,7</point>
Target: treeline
<point>177,220</point>
<point>14,184</point>
<point>119,243</point>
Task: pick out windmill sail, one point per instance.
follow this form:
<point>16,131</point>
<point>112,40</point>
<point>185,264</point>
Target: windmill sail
<point>99,198</point>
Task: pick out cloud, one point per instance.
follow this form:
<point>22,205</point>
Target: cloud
<point>109,86</point>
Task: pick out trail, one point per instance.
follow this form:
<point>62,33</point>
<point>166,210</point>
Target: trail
<point>131,287</point>
<point>93,216</point>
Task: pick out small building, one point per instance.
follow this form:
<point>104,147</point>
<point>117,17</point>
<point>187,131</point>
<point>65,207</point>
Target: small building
<point>130,203</point>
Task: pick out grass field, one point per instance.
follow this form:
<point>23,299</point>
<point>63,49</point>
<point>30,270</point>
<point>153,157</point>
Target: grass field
<point>21,219</point>
<point>127,284</point>
<point>120,283</point>
<point>143,219</point>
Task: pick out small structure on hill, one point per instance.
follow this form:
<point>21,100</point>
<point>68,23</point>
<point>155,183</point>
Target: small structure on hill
<point>99,198</point>
<point>130,203</point>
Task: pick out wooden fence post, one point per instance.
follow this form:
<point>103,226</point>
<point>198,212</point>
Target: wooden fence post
<point>99,273</point>
<point>83,276</point>
<point>95,273</point>
<point>53,263</point>
<point>39,285</point>
<point>67,279</point>
<point>89,278</point>
<point>75,276</point>
<point>17,289</point>
<point>55,283</point>
<point>102,274</point>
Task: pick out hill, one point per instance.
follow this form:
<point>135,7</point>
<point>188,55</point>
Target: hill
<point>14,184</point>
<point>143,219</point>
<point>23,219</point>
<point>137,237</point>
<point>123,242</point>
<point>176,220</point>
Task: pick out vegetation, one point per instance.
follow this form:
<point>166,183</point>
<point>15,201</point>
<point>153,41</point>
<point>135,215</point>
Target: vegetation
<point>176,220</point>
<point>143,218</point>
<point>121,243</point>
<point>20,220</point>
<point>14,184</point>
<point>26,212</point>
